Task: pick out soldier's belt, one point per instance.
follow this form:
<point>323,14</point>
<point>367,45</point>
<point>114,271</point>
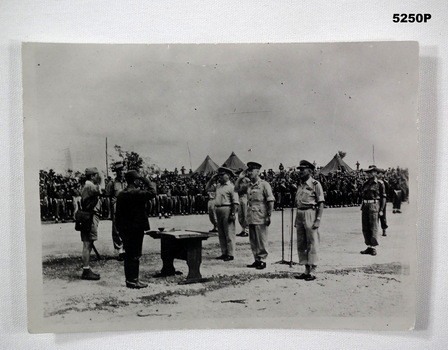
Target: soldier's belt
<point>306,208</point>
<point>366,201</point>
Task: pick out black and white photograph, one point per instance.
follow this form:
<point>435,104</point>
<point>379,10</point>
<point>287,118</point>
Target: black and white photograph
<point>205,186</point>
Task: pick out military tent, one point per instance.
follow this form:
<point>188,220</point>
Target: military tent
<point>234,163</point>
<point>334,165</point>
<point>207,166</point>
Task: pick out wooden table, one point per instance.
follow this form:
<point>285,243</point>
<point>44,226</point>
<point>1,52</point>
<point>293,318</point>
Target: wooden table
<point>184,245</point>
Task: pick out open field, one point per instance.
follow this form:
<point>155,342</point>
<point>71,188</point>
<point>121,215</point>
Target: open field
<point>348,284</point>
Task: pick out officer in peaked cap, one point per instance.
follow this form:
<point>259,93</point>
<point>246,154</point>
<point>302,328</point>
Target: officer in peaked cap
<point>373,201</point>
<point>118,166</point>
<point>253,165</point>
<point>224,170</point>
<point>305,164</point>
<point>372,168</point>
<point>112,190</point>
<point>260,203</point>
<point>310,205</point>
<point>226,205</point>
<point>91,171</point>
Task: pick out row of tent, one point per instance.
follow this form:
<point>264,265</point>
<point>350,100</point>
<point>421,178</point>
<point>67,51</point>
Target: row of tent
<point>208,165</point>
<point>235,163</point>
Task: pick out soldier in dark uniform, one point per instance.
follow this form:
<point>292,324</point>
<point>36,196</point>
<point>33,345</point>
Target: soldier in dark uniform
<point>373,199</point>
<point>310,205</point>
<point>398,193</point>
<point>132,222</point>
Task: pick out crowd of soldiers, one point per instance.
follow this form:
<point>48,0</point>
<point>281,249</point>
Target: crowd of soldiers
<point>185,194</point>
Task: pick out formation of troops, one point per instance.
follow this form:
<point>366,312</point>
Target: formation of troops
<point>132,199</point>
<point>179,193</point>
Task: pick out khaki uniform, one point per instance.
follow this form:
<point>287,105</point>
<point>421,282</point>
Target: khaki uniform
<point>309,195</point>
<point>225,198</point>
<point>258,196</point>
<point>371,193</point>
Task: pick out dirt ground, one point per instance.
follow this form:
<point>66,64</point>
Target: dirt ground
<point>348,285</point>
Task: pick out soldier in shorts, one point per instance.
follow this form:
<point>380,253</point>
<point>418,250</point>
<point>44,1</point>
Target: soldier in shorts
<point>89,232</point>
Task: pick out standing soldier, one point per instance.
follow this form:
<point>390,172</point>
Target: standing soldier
<point>132,222</point>
<point>226,203</point>
<point>310,205</point>
<point>398,194</point>
<point>383,217</point>
<point>260,203</point>
<point>241,186</point>
<point>373,199</point>
<point>90,202</point>
<point>113,189</point>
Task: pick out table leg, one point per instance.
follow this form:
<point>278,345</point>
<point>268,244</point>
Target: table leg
<point>194,259</point>
<point>167,255</point>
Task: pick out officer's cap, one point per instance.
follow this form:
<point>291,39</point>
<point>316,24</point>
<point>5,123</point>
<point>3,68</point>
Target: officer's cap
<point>224,170</point>
<point>131,175</point>
<point>306,164</point>
<point>372,168</point>
<point>253,165</point>
<point>91,171</point>
<point>118,166</point>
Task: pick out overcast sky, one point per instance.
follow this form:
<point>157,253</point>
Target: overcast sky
<point>285,102</point>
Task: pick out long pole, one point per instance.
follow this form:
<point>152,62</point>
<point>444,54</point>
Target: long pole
<point>283,239</point>
<point>292,234</point>
<point>189,154</point>
<point>107,162</point>
<point>373,152</point>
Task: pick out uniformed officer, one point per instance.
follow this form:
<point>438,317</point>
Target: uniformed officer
<point>226,204</point>
<point>132,222</point>
<point>260,203</point>
<point>310,205</point>
<point>373,199</point>
<point>112,190</point>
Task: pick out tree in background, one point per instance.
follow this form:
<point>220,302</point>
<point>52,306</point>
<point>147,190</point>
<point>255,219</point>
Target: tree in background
<point>133,161</point>
<point>342,154</point>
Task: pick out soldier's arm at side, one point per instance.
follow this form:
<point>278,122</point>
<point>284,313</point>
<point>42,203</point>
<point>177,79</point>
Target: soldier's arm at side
<point>235,203</point>
<point>382,199</point>
<point>320,205</point>
<point>150,189</point>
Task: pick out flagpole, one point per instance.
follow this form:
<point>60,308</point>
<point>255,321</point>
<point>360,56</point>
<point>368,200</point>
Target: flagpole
<point>373,152</point>
<point>189,154</point>
<point>107,163</point>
